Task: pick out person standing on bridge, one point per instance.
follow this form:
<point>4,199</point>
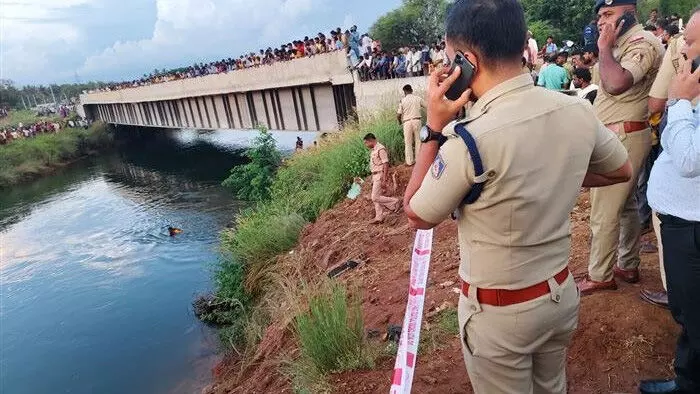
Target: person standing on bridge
<point>409,116</point>
<point>510,174</point>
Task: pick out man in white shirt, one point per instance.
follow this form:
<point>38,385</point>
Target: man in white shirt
<point>409,62</point>
<point>582,82</point>
<point>674,192</point>
<point>366,44</point>
<point>416,65</point>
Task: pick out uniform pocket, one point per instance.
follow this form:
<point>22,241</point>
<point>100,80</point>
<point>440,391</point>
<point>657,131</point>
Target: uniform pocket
<point>467,309</point>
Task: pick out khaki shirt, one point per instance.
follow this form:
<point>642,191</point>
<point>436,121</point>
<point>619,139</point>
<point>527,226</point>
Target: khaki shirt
<point>595,74</point>
<point>536,146</point>
<point>640,53</point>
<point>378,157</point>
<point>409,107</point>
<point>671,65</point>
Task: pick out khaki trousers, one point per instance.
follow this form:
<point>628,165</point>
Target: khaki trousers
<point>381,203</point>
<point>614,215</point>
<point>657,231</point>
<point>411,139</point>
<point>519,348</point>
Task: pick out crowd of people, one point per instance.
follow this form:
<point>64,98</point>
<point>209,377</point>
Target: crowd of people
<point>350,41</point>
<point>507,161</point>
<point>409,61</point>
<point>572,70</point>
<point>22,131</point>
<point>363,53</point>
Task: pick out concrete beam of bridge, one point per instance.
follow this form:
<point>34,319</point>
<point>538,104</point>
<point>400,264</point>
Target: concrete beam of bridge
<point>307,94</point>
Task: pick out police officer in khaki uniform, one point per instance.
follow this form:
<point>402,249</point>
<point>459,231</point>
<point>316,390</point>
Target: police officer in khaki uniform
<point>519,304</point>
<point>409,116</point>
<point>379,165</point>
<point>629,60</point>
<point>658,96</point>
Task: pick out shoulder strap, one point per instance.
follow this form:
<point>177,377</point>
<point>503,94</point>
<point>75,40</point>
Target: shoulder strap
<point>479,179</point>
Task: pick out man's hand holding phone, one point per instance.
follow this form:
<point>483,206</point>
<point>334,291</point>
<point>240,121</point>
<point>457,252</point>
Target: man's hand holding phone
<point>685,85</point>
<point>608,35</point>
<point>441,111</point>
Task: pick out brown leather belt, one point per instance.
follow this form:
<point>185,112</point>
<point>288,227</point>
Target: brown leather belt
<point>501,297</point>
<point>408,120</point>
<point>627,127</point>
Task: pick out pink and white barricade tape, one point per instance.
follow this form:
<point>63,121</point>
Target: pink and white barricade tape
<point>410,333</point>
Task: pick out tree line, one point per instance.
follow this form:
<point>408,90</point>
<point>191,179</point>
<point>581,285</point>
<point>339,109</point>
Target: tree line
<point>32,95</point>
<point>422,20</point>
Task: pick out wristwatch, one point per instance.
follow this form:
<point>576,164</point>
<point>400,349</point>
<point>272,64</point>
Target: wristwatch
<point>427,134</point>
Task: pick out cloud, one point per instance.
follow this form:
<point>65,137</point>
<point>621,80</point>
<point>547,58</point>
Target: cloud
<point>56,41</point>
<point>189,31</point>
<point>35,27</point>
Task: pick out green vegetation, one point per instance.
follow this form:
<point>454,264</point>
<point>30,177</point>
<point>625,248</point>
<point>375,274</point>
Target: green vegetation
<point>331,331</point>
<point>331,335</point>
<point>412,22</point>
<point>31,95</point>
<point>436,334</point>
<point>252,181</point>
<point>28,158</point>
<point>304,186</point>
<point>417,20</point>
<point>308,184</point>
<point>26,117</point>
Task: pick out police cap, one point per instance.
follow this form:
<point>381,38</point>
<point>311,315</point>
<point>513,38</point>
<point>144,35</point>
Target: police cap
<point>612,3</point>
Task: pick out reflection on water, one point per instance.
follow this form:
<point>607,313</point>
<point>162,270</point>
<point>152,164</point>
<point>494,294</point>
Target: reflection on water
<point>94,295</point>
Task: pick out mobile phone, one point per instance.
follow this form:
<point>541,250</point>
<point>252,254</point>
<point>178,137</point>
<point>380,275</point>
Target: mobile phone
<point>629,19</point>
<point>695,65</point>
<point>468,69</point>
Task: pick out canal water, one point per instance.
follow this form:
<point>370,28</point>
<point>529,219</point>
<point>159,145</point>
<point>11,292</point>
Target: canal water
<point>95,296</point>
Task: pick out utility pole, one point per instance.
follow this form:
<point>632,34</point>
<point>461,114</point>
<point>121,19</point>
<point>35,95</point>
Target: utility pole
<point>52,96</point>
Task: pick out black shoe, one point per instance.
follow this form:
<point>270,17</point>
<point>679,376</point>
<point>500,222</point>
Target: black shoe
<point>659,386</point>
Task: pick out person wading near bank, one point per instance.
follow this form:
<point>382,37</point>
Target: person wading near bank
<point>658,97</point>
<point>674,193</point>
<point>519,304</point>
<point>379,165</point>
<point>629,60</point>
<point>409,116</point>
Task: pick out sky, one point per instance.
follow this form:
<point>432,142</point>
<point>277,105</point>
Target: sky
<point>68,41</point>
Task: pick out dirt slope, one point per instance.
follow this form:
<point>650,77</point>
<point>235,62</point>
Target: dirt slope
<point>620,339</point>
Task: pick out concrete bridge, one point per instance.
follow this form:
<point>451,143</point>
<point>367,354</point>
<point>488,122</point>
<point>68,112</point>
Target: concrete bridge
<point>309,94</point>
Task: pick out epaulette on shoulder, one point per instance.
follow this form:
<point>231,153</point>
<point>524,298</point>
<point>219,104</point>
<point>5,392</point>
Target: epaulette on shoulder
<point>636,39</point>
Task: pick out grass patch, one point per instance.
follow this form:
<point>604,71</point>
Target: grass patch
<point>331,332</point>
<point>436,335</point>
<point>29,157</point>
<point>331,336</point>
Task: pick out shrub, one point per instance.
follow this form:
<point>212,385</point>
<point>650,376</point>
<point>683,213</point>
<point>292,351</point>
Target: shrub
<point>252,181</point>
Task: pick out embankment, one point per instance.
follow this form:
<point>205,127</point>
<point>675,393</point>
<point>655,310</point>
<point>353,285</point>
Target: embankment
<point>280,254</point>
<point>26,159</point>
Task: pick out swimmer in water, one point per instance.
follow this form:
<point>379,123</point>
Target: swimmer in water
<point>174,231</point>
